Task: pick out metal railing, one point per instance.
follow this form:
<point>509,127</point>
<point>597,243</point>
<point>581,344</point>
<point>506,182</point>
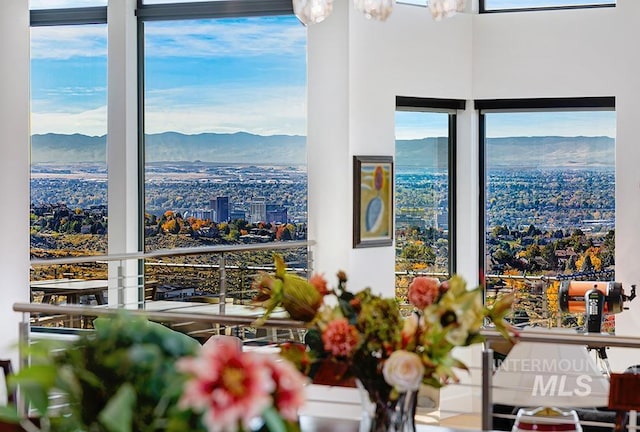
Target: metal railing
<point>173,273</point>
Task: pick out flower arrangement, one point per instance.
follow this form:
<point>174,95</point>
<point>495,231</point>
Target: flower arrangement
<point>364,335</point>
<point>132,374</point>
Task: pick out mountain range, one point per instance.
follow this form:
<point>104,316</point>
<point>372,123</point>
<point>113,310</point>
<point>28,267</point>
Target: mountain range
<point>545,151</point>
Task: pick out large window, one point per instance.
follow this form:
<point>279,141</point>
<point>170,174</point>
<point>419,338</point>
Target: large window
<point>424,187</point>
<point>224,134</point>
<point>549,199</point>
<point>516,5</point>
<point>68,141</point>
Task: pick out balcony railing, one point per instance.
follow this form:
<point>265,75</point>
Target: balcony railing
<point>216,274</point>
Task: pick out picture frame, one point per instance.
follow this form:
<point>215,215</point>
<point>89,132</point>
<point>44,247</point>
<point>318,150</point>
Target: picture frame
<point>372,201</point>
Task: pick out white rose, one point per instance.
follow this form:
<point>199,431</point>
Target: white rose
<point>403,370</point>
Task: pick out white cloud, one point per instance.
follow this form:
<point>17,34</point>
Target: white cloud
<point>224,38</point>
<point>270,111</point>
<point>265,112</point>
<point>57,4</point>
<point>65,42</point>
<point>91,122</point>
<point>247,37</point>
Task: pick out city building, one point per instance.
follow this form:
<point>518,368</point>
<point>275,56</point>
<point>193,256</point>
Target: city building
<point>238,214</point>
<point>275,213</point>
<point>221,208</point>
<point>258,210</point>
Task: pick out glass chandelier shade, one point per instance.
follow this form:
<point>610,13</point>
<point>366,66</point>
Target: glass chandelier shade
<point>315,11</point>
<point>375,9</point>
<point>312,11</point>
<point>445,8</point>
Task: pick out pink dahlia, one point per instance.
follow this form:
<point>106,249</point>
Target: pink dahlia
<point>228,387</point>
<point>289,394</point>
<point>423,291</point>
<point>340,338</point>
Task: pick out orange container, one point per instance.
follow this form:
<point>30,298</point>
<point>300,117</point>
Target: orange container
<point>571,296</point>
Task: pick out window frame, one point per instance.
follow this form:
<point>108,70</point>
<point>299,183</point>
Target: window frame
<point>451,107</point>
<point>484,106</point>
<point>68,16</point>
<point>483,9</point>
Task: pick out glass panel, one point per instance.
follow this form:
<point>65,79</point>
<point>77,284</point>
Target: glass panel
<point>225,126</point>
<point>173,1</point>
<point>68,141</point>
<point>421,195</point>
<point>414,2</point>
<point>62,4</point>
<point>525,4</point>
<point>550,206</point>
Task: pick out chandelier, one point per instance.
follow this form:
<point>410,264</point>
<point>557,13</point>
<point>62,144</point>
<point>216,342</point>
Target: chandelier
<point>315,11</point>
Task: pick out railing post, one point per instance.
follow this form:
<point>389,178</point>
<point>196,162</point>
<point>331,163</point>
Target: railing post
<point>23,361</point>
<point>309,263</point>
<point>223,284</point>
<point>487,397</point>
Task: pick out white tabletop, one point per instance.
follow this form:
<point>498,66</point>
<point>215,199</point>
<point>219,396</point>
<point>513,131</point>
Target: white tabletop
<point>209,308</point>
<point>56,285</point>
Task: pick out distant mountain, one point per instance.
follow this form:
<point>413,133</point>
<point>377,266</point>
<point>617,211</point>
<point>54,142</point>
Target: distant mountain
<point>173,146</point>
<point>57,148</point>
<point>549,151</point>
<point>412,153</point>
<point>211,147</point>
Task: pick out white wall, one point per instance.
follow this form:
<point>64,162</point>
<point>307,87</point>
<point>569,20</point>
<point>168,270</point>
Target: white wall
<point>356,69</point>
<point>14,168</point>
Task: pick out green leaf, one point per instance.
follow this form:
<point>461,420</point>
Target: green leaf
<point>273,420</point>
<point>9,414</point>
<point>117,415</point>
<point>35,382</point>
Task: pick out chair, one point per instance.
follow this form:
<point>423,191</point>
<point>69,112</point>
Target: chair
<point>623,396</point>
<point>150,290</point>
<point>7,370</point>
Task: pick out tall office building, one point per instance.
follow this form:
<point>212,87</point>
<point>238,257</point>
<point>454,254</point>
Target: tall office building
<point>258,210</point>
<point>220,208</point>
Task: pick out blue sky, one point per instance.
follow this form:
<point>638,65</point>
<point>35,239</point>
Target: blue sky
<point>202,76</point>
<point>507,4</point>
<point>221,76</point>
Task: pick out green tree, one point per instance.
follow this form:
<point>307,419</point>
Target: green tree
<point>418,252</point>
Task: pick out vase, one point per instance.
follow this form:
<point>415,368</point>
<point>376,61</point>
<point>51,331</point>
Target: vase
<point>381,413</point>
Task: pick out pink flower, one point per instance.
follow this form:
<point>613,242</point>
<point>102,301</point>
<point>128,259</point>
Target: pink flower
<point>320,283</point>
<point>423,291</point>
<point>229,387</point>
<point>289,394</point>
<point>340,338</point>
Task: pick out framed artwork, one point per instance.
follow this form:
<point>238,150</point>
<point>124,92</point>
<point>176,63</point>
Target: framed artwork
<point>372,201</point>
